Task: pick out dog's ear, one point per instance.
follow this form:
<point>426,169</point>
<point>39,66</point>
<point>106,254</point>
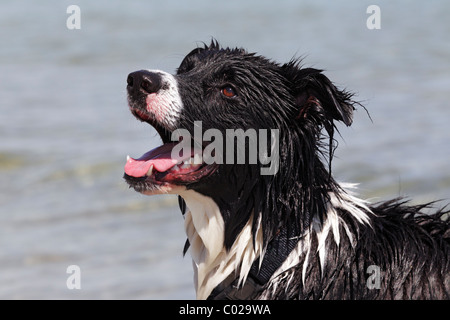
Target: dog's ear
<point>317,98</point>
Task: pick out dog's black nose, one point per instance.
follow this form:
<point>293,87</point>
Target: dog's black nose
<point>149,82</point>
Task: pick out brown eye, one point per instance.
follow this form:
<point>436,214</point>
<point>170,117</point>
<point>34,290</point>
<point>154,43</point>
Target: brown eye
<point>228,92</point>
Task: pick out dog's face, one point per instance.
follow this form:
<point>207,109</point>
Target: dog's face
<point>230,89</point>
<point>224,89</point>
<point>221,89</point>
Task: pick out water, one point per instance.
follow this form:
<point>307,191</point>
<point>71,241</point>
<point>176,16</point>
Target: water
<point>65,128</point>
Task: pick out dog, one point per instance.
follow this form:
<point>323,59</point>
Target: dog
<point>294,233</point>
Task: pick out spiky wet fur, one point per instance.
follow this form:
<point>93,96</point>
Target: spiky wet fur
<point>410,250</point>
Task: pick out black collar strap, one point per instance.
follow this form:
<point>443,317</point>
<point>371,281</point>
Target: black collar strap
<point>276,253</point>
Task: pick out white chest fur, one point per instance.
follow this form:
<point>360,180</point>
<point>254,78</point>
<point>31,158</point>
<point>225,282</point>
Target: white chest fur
<point>204,227</point>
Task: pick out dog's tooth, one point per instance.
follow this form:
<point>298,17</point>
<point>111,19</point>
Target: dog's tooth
<point>150,171</point>
<point>128,158</point>
<point>197,159</point>
<point>185,166</point>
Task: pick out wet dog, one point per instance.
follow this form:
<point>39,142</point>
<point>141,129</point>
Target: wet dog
<point>291,231</point>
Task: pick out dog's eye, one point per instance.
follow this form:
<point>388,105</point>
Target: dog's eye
<point>228,92</point>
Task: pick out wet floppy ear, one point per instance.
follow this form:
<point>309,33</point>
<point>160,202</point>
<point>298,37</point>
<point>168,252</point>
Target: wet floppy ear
<point>318,99</point>
<point>318,103</point>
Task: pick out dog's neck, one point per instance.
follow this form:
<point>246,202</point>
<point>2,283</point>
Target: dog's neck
<point>329,229</point>
<point>212,263</point>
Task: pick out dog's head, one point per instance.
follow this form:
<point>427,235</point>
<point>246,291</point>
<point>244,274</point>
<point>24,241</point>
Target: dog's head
<point>280,110</point>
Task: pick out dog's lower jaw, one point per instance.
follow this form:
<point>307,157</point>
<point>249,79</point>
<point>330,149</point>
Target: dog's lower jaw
<point>164,189</point>
<point>212,263</point>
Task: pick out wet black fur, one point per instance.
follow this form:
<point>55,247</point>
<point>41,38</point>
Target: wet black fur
<point>411,248</point>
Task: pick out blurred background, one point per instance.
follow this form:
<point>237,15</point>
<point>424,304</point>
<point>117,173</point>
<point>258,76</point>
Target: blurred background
<point>65,127</point>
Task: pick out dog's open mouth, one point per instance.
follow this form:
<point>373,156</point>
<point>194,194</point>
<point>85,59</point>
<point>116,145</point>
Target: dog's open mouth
<point>160,165</point>
<point>168,164</point>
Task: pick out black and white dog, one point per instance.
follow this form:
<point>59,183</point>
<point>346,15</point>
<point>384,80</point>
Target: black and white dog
<point>291,233</point>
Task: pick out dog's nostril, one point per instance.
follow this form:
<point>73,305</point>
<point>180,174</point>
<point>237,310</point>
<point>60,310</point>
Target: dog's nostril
<point>148,86</point>
<point>150,82</point>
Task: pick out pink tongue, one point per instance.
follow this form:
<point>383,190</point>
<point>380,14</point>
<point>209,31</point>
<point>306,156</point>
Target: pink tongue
<point>160,158</point>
